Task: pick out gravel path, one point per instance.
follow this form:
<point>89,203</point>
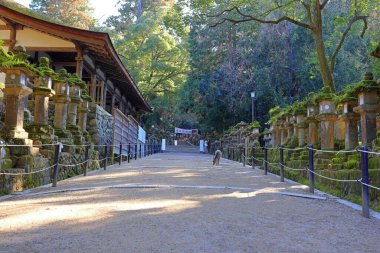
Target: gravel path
<point>108,215</point>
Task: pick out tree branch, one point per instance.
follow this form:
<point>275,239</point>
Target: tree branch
<point>251,18</point>
<point>344,36</point>
<point>323,4</point>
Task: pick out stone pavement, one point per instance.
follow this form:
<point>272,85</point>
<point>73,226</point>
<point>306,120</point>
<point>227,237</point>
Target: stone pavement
<point>178,202</point>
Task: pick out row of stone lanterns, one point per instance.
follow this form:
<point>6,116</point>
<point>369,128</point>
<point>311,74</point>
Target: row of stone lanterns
<point>66,95</point>
<point>360,100</point>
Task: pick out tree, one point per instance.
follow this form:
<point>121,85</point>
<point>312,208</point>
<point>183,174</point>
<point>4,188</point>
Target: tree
<point>156,59</point>
<point>310,18</point>
<point>131,10</point>
<point>153,46</point>
<point>77,13</point>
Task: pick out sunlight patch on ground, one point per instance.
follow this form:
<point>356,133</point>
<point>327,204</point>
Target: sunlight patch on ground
<point>88,212</point>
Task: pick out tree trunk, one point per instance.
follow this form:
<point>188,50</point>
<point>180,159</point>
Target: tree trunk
<point>320,47</point>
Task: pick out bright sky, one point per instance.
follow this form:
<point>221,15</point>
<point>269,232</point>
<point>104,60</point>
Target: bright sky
<point>103,9</point>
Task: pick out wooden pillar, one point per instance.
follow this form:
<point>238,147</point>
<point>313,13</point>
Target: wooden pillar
<point>113,102</point>
<point>104,95</point>
<point>12,37</point>
<point>79,59</point>
<point>93,87</point>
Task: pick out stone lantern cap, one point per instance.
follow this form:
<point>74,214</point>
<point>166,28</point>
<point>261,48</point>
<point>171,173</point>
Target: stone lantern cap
<point>44,74</point>
<point>299,108</point>
<point>16,66</point>
<point>61,85</point>
<point>241,124</point>
<point>366,85</point>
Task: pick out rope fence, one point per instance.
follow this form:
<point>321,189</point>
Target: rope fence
<point>364,181</point>
<point>134,150</point>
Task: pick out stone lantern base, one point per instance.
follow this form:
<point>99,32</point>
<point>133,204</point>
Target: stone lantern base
<point>43,134</point>
<point>65,137</point>
<point>77,133</point>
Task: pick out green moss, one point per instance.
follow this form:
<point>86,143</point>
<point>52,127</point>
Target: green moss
<point>41,88</point>
<point>337,160</point>
<point>291,142</point>
<point>17,58</point>
<point>299,107</point>
<point>30,181</point>
<point>351,164</point>
<point>374,163</point>
<point>275,110</point>
<point>366,85</point>
<point>253,125</point>
<point>6,163</point>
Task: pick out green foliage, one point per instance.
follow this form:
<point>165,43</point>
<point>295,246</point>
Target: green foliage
<point>151,38</point>
<point>298,108</point>
<point>325,94</point>
<point>76,13</point>
<point>253,125</point>
<point>17,58</point>
<point>75,80</point>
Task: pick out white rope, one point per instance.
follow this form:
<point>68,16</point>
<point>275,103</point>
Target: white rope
<point>270,163</point>
<point>270,148</point>
<point>374,187</point>
<point>291,149</point>
<point>29,173</point>
<point>368,152</point>
<point>286,167</point>
<point>333,151</point>
<point>259,160</point>
<point>94,160</point>
<point>333,179</point>
<point>33,145</point>
<point>73,165</point>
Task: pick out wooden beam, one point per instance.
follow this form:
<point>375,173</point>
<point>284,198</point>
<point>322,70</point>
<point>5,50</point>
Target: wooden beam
<point>51,49</point>
<point>8,27</point>
<point>61,63</point>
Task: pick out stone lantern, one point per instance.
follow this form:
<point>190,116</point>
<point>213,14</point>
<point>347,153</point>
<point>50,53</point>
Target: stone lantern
<point>42,91</point>
<point>312,120</point>
<point>288,126</point>
<point>368,107</point>
<point>83,111</point>
<point>300,111</point>
<point>15,92</point>
<point>327,116</point>
<point>75,93</point>
<point>350,119</point>
<point>61,100</point>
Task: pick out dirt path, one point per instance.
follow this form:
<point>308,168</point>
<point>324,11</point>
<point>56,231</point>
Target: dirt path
<point>113,212</point>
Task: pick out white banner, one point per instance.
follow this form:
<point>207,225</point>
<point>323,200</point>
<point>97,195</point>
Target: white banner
<point>185,131</point>
<point>142,134</point>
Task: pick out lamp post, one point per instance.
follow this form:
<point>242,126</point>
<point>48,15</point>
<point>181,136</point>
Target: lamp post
<point>253,105</point>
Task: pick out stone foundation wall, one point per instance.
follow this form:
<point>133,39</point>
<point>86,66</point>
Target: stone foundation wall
<point>100,127</point>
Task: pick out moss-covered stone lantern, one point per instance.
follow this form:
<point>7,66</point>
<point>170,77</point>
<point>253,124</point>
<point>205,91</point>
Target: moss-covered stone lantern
<point>300,110</point>
<point>42,91</point>
<point>61,99</point>
<point>312,119</point>
<point>273,121</point>
<point>18,71</point>
<point>368,107</point>
<point>327,116</point>
<point>75,96</point>
<point>83,111</point>
<point>347,100</point>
